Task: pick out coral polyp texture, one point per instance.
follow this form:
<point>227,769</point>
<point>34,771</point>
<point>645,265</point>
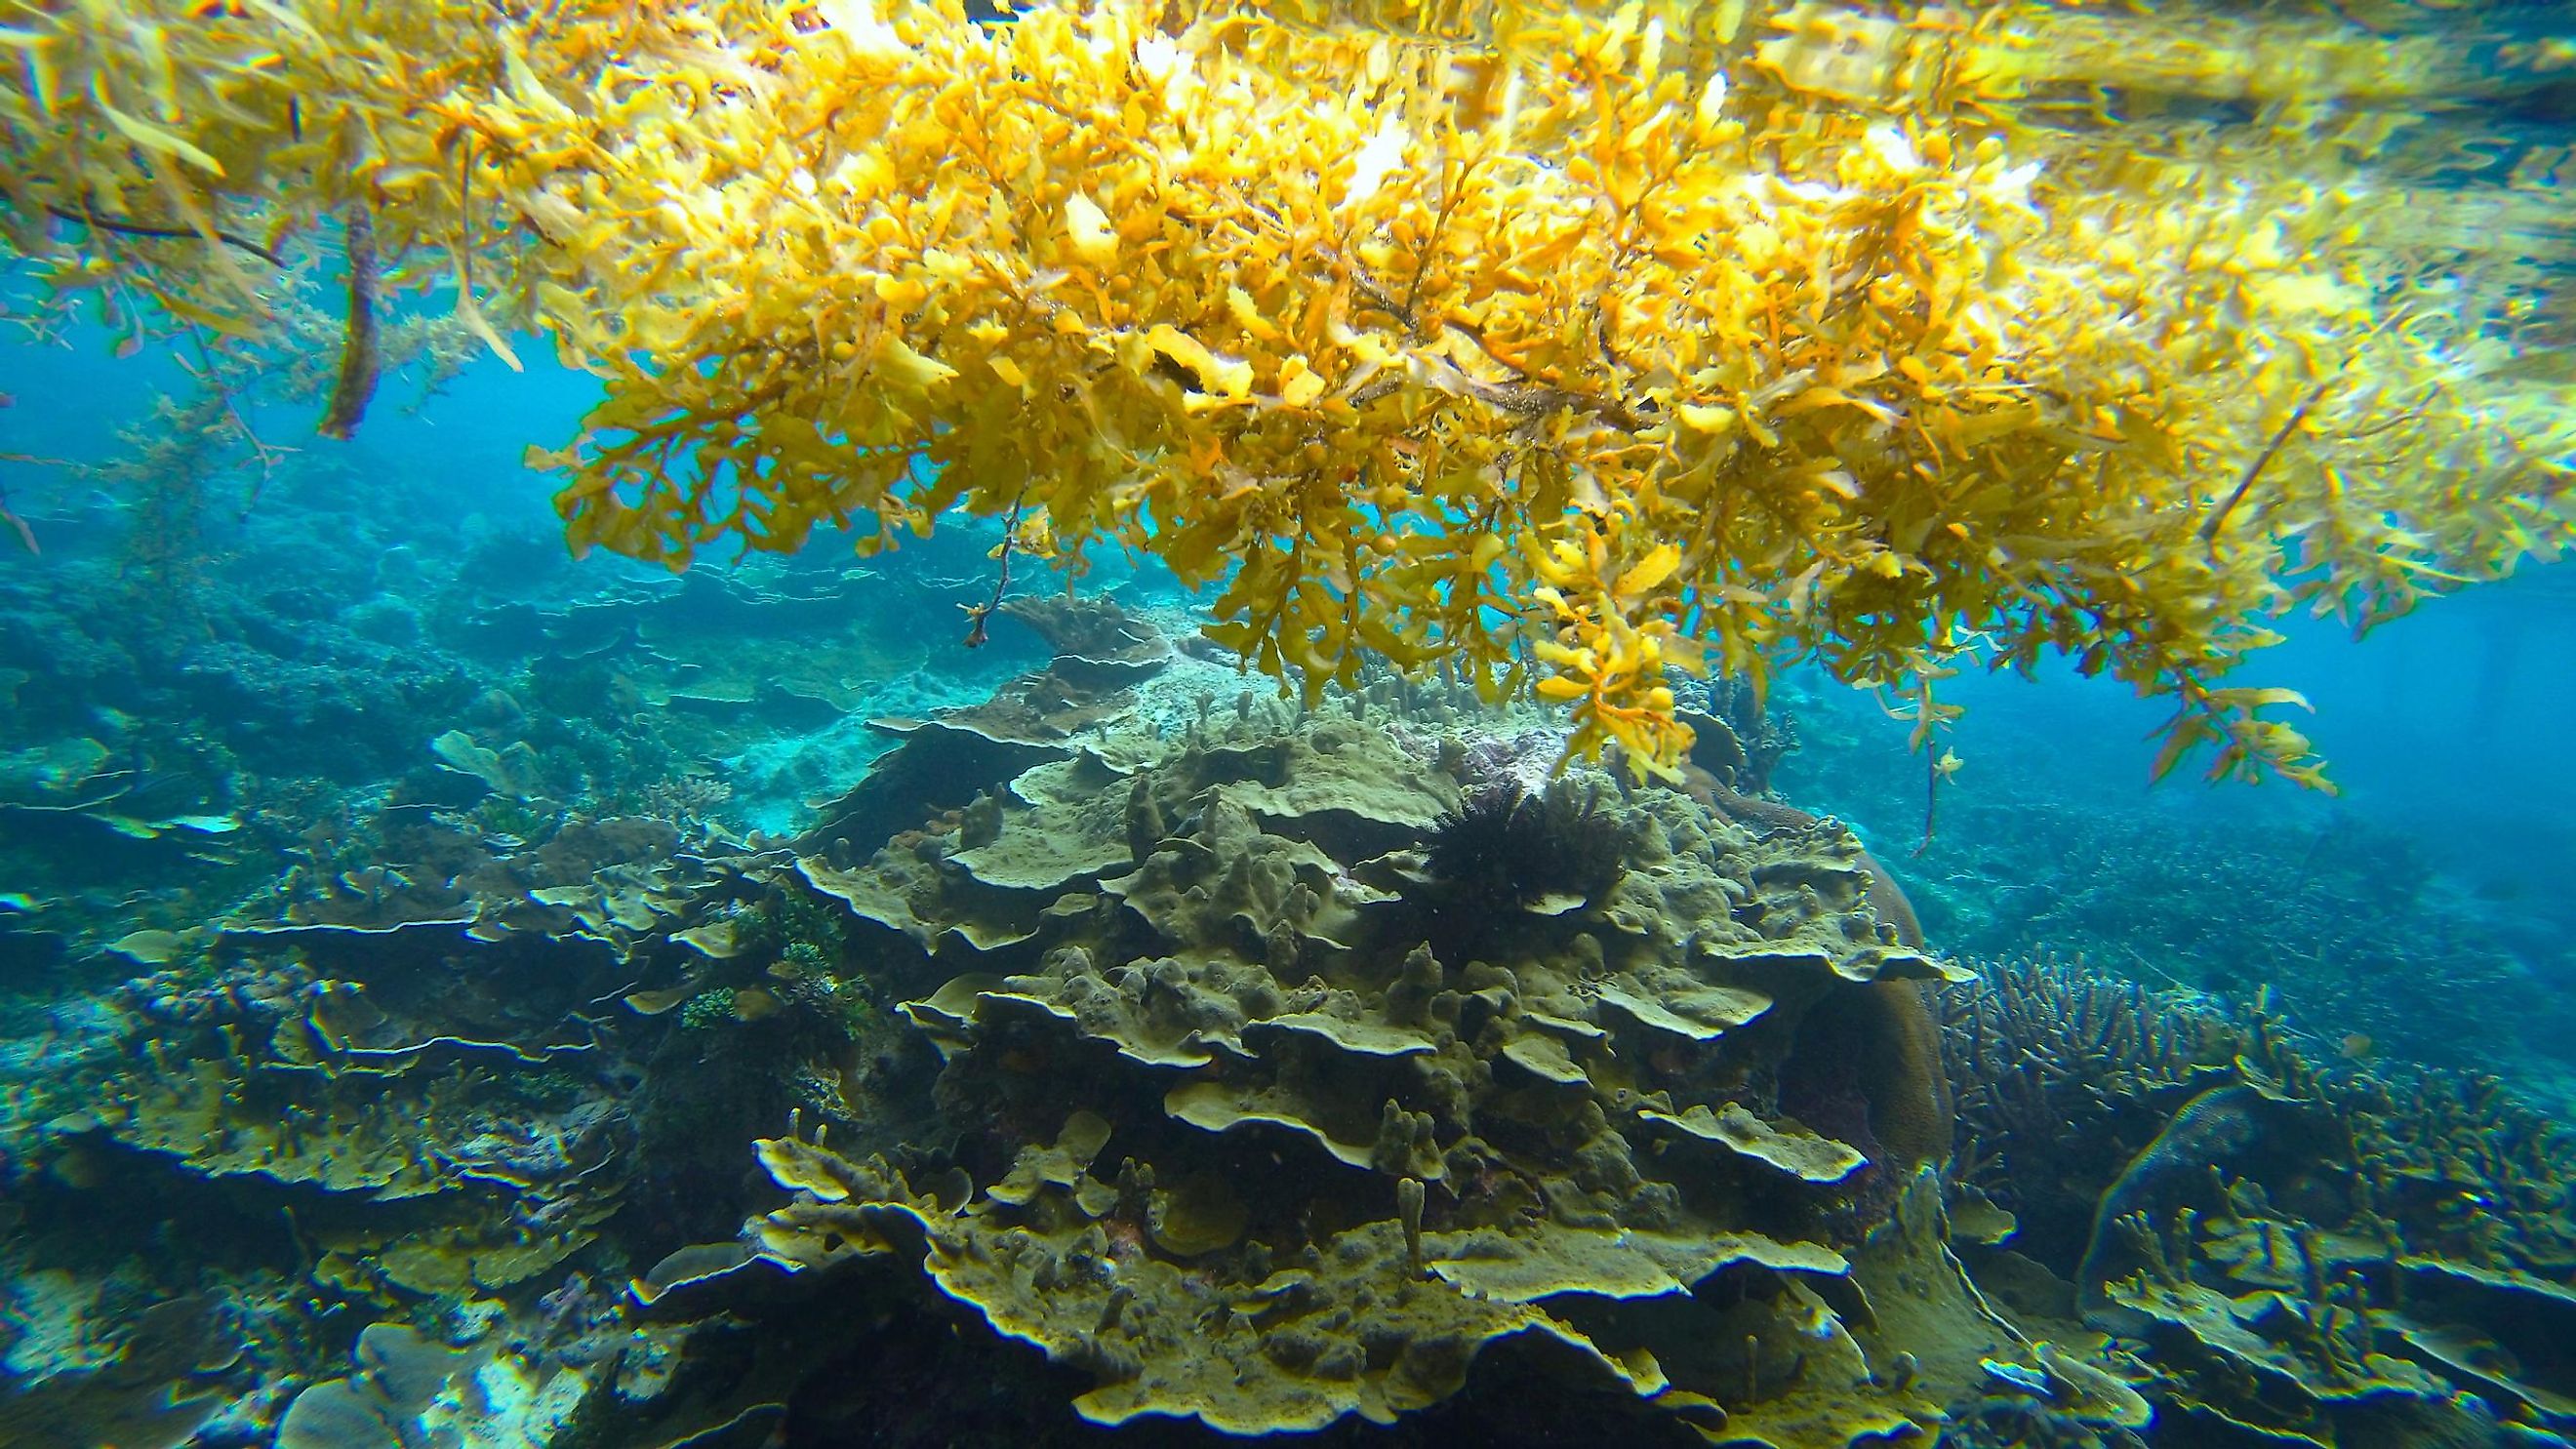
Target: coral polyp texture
<point>1572,348</point>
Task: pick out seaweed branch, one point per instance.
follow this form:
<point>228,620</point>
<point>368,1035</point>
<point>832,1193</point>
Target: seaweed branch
<point>264,453</point>
<point>359,362</point>
<point>10,517</point>
<point>2262,460</point>
<point>123,227</point>
<point>26,535</point>
<point>977,615</point>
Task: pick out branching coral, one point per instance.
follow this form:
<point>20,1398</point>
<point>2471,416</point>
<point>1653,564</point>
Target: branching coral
<point>2060,1076</point>
<point>1619,336</point>
<point>2328,1253</point>
<point>2311,1249</point>
<point>2466,1169</point>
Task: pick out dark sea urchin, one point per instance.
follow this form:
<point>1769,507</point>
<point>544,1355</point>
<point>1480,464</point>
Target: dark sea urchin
<point>1506,847</point>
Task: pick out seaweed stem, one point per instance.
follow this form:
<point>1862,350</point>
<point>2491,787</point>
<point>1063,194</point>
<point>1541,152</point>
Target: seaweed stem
<point>359,364</point>
<point>2262,460</point>
<point>978,614</point>
<point>168,233</point>
<point>1932,773</point>
<point>263,452</point>
<point>8,516</point>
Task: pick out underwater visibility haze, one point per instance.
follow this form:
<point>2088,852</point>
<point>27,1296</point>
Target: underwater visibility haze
<point>1770,723</point>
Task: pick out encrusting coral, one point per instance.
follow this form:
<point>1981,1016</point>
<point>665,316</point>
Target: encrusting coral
<point>1647,333</point>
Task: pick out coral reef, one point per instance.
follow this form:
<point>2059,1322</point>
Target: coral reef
<point>2063,1076</point>
<point>1739,741</point>
<point>1151,1051</point>
<point>1093,636</point>
<point>1211,963</point>
<point>149,783</point>
<point>422,1105</point>
<point>2292,1254</point>
<point>1896,1037</point>
<point>421,1055</point>
<point>155,1386</point>
<point>2344,921</point>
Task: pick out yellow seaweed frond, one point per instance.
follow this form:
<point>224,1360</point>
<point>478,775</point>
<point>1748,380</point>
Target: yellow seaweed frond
<point>1652,335</point>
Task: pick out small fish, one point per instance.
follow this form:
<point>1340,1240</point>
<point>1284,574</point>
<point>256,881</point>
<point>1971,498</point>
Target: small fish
<point>26,535</point>
<point>2027,1380</point>
<point>2355,1047</point>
